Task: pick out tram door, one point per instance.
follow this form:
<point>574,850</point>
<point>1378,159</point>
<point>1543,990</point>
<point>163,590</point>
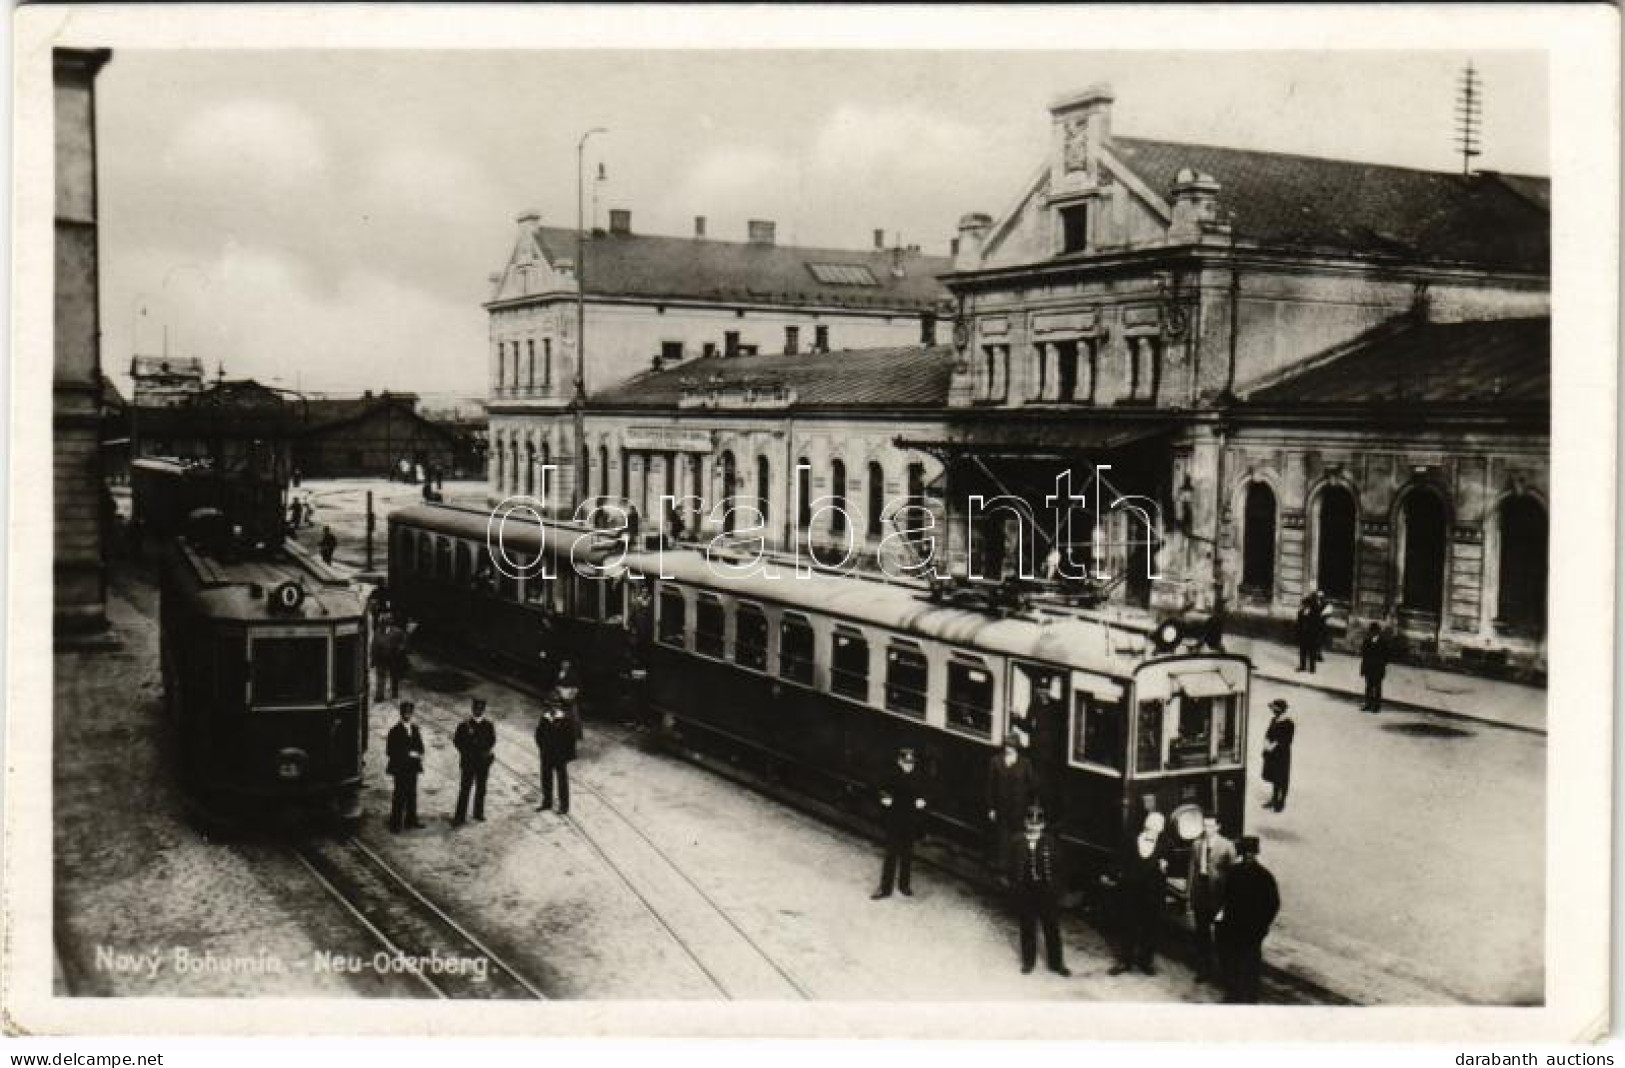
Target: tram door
<point>1038,703</point>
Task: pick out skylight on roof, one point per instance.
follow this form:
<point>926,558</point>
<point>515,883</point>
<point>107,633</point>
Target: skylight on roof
<point>842,274</point>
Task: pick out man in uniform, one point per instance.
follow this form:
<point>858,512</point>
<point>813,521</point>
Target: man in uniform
<point>1251,903</point>
<point>1038,883</point>
<point>557,733</point>
<point>1278,738</point>
<point>383,656</point>
<point>1141,890</point>
<point>1373,666</point>
<point>404,750</point>
<point>475,739</point>
<point>329,545</point>
<point>1212,856</point>
<point>902,803</point>
<point>1011,787</point>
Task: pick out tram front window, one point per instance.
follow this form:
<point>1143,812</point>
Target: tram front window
<point>288,672</point>
<point>1187,731</point>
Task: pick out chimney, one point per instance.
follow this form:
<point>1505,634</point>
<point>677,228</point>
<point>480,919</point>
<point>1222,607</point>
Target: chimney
<point>699,227</point>
<point>973,229</point>
<point>1195,204</point>
<point>880,239</point>
<point>761,232</point>
<point>620,221</point>
<point>1081,124</point>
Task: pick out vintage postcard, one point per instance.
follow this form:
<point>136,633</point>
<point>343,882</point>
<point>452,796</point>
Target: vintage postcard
<point>1077,522</point>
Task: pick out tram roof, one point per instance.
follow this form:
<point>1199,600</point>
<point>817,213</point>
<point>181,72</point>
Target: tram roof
<point>520,533</point>
<point>1079,641</point>
<point>226,589</point>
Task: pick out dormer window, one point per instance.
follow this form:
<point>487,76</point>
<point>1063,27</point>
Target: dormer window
<point>1074,228</point>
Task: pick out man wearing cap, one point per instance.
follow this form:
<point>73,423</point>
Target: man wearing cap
<point>902,804</point>
<point>1251,903</point>
<point>1141,889</point>
<point>1038,883</point>
<point>1011,787</point>
<point>557,733</point>
<point>476,740</point>
<point>1278,739</point>
<point>1212,857</point>
<point>1374,666</point>
<point>404,750</point>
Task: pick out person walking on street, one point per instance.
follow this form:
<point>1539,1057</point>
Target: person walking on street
<point>1278,738</point>
<point>557,733</point>
<point>1141,890</point>
<point>1011,787</point>
<point>1311,631</point>
<point>476,741</point>
<point>329,545</point>
<point>1252,901</point>
<point>1373,666</point>
<point>902,803</point>
<point>1038,884</point>
<point>404,750</point>
<point>1212,856</point>
<point>384,658</point>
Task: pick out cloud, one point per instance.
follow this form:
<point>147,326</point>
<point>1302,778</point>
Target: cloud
<point>267,143</point>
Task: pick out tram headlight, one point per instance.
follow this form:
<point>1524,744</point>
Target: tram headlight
<point>290,764</point>
<point>1187,821</point>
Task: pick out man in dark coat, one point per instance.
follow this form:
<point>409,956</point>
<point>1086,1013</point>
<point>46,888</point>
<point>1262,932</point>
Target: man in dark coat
<point>1251,903</point>
<point>1278,738</point>
<point>1373,666</point>
<point>404,750</point>
<point>902,803</point>
<point>476,741</point>
<point>1141,891</point>
<point>1311,631</point>
<point>557,733</point>
<point>1037,885</point>
<point>1011,787</point>
<point>329,545</point>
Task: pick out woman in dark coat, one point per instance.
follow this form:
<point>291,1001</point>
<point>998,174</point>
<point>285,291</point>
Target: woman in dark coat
<point>1278,754</point>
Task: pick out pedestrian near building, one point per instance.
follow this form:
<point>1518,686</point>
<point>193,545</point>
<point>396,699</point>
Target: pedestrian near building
<point>1278,738</point>
<point>404,752</point>
<point>476,741</point>
<point>1011,788</point>
<point>1212,856</point>
<point>1374,666</point>
<point>557,734</point>
<point>384,660</point>
<point>329,545</point>
<point>1311,631</point>
<point>1141,890</point>
<point>1038,883</point>
<point>902,804</point>
<point>1252,901</point>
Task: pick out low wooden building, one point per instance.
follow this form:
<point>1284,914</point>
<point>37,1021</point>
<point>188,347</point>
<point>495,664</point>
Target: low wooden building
<point>368,437</point>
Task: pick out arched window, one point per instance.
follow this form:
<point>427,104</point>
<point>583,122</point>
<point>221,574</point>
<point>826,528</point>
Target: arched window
<point>729,487</point>
<point>1334,543</point>
<point>544,480</point>
<point>603,470</point>
<point>803,494</point>
<point>837,490</point>
<point>1258,540</point>
<point>877,498</point>
<point>1523,564</point>
<point>764,486</point>
<point>1423,561</point>
<point>513,466</point>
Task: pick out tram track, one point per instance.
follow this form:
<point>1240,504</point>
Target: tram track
<point>415,936</point>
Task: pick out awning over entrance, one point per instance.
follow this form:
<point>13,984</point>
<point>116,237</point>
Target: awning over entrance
<point>1059,441</point>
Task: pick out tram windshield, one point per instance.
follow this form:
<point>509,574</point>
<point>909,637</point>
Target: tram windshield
<point>288,670</point>
<point>1189,719</point>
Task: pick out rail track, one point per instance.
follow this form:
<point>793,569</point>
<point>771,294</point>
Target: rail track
<point>415,936</point>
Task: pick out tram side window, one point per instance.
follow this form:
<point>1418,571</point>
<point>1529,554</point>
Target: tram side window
<point>586,596</point>
<point>710,622</point>
<point>288,671</point>
<point>505,577</point>
<point>671,617</point>
<point>849,665</point>
<point>970,696</point>
<point>906,673</point>
<point>425,557</point>
<point>750,637</point>
<point>347,679</point>
<point>1149,742</point>
<point>1229,725</point>
<point>796,649</point>
<point>1097,731</point>
<point>465,564</point>
<point>442,559</point>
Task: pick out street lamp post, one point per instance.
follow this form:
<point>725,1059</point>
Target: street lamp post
<point>580,399</point>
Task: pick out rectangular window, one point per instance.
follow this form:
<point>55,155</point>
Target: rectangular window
<point>820,339</point>
<point>1097,731</point>
<point>1074,228</point>
<point>547,362</point>
<point>671,617</point>
<point>995,370</point>
<point>530,362</point>
<point>289,672</point>
<point>347,679</point>
<point>710,626</point>
<point>442,559</point>
<point>507,585</point>
<point>970,696</point>
<point>796,649</point>
<point>1148,746</point>
<point>730,343</point>
<point>1192,746</point>
<point>671,352</point>
<point>907,671</point>
<point>849,664</point>
<point>792,340</point>
<point>1145,367</point>
<point>750,637</point>
<point>928,329</point>
<point>1229,727</point>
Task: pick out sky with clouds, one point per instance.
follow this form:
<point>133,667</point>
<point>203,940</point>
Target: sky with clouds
<point>328,220</point>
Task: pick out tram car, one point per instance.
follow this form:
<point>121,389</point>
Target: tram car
<point>264,653</point>
<point>821,679</point>
<point>164,492</point>
<point>526,619</point>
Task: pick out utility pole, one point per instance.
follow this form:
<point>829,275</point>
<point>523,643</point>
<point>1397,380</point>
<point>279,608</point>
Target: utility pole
<point>1469,109</point>
<point>580,399</point>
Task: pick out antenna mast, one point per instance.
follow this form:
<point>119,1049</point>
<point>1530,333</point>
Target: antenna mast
<point>1469,109</point>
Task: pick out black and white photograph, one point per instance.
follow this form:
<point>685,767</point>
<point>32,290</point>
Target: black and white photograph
<point>1058,524</point>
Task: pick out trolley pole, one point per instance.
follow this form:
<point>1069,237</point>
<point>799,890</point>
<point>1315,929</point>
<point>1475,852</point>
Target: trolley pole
<point>370,523</point>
